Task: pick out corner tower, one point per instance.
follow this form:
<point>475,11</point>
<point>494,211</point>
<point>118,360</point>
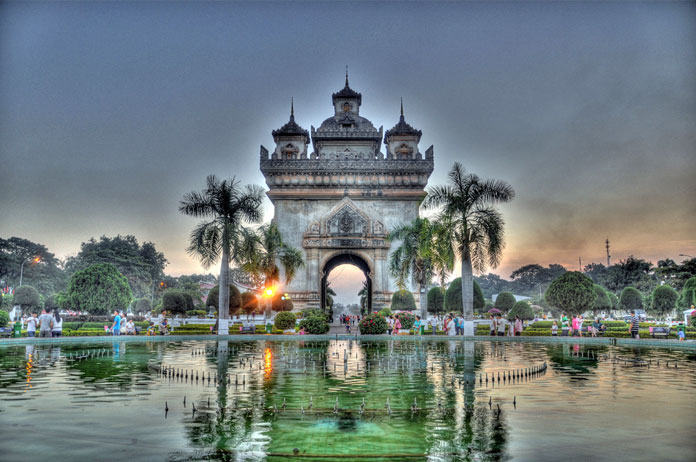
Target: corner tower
<point>338,203</point>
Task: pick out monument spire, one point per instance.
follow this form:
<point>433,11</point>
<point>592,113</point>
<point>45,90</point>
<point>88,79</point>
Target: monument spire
<point>402,108</point>
<point>292,108</point>
<point>346,76</point>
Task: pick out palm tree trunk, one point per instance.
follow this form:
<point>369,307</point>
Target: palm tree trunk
<point>467,293</point>
<point>224,300</point>
<point>423,301</point>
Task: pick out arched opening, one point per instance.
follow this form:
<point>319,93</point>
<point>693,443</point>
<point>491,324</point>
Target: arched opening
<point>345,259</point>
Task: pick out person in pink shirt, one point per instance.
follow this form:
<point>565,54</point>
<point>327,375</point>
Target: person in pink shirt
<point>576,326</point>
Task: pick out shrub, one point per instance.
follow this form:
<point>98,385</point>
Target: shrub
<point>285,320</point>
<point>572,292</point>
<point>614,300</point>
<point>173,301</point>
<point>214,298</point>
<point>27,298</point>
<point>403,300</point>
<point>98,289</point>
<point>453,297</point>
<point>315,325</point>
<point>281,303</point>
<point>4,318</point>
<point>436,300</point>
<point>663,299</point>
<point>602,302</point>
<point>386,312</point>
<point>688,294</point>
<point>51,302</point>
<point>196,313</point>
<point>505,301</point>
<point>373,323</point>
<point>406,319</point>
<point>188,298</point>
<point>522,310</point>
<point>631,299</point>
<point>250,303</point>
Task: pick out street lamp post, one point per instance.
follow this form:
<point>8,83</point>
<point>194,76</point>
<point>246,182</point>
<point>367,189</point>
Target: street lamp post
<point>21,268</point>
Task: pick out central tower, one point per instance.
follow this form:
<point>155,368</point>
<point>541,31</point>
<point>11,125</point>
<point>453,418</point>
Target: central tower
<point>338,202</point>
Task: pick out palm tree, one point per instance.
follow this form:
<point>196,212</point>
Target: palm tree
<point>363,294</point>
<point>476,227</point>
<point>441,252</point>
<point>413,256</point>
<point>261,250</point>
<point>225,206</point>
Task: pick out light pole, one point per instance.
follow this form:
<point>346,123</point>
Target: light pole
<point>268,293</point>
<point>21,268</point>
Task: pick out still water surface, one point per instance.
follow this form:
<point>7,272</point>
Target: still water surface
<point>422,401</point>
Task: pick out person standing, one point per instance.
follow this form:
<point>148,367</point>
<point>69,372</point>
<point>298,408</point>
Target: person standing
<point>494,326</point>
<point>501,326</point>
<point>390,324</point>
<point>417,324</point>
<point>518,326</point>
<point>57,329</point>
<point>634,325</point>
<point>45,324</point>
<point>397,325</point>
<point>451,327</point>
<point>554,329</point>
<point>116,326</point>
<point>575,324</point>
<point>32,322</point>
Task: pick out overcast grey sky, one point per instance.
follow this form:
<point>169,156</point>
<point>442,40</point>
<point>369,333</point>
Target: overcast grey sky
<point>110,112</point>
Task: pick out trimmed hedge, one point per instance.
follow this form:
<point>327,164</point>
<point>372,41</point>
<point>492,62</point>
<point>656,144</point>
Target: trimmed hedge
<point>285,320</point>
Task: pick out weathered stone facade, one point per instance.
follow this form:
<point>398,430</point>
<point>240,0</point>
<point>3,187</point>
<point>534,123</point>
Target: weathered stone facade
<point>338,203</point>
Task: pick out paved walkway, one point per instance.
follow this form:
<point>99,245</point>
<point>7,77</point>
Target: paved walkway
<point>338,328</point>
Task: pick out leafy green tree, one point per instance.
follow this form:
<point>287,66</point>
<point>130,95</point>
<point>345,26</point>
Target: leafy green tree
<point>614,300</point>
<point>403,300</point>
<point>663,300</point>
<point>476,227</point>
<point>633,272</point>
<point>27,298</point>
<point>436,300</point>
<point>173,300</point>
<point>413,256</point>
<point>492,284</point>
<point>573,292</point>
<point>285,320</point>
<point>505,301</point>
<point>522,310</point>
<point>250,303</point>
<point>143,266</point>
<point>98,289</point>
<point>234,300</point>
<point>4,318</point>
<point>45,275</point>
<point>52,302</point>
<point>259,253</point>
<point>6,302</point>
<point>453,296</point>
<point>529,279</point>
<point>188,299</point>
<point>602,302</point>
<point>225,208</point>
<point>143,305</point>
<point>631,299</point>
<point>688,295</point>
<point>363,294</point>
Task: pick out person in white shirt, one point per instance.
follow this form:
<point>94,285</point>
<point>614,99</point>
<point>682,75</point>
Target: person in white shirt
<point>57,329</point>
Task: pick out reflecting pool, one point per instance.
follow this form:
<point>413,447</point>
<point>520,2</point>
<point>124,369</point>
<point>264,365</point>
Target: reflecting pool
<point>347,400</point>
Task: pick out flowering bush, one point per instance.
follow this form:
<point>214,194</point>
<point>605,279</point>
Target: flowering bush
<point>407,319</point>
<point>373,323</point>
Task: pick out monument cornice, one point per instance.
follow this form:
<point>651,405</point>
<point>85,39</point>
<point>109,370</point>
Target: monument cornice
<point>396,194</point>
<point>345,165</point>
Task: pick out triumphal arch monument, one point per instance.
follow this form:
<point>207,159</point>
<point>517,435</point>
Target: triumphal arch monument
<point>338,189</point>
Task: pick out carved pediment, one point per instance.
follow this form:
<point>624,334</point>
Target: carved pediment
<point>347,221</point>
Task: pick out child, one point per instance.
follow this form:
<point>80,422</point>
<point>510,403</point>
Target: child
<point>302,331</point>
<point>554,329</point>
<point>681,332</point>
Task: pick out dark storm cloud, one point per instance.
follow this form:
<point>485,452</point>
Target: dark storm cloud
<point>109,112</point>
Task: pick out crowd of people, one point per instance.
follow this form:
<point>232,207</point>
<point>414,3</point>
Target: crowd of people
<point>349,320</point>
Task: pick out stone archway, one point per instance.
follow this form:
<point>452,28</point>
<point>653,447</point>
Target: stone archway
<point>343,258</point>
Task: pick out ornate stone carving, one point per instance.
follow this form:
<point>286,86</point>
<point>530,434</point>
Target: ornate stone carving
<point>346,222</point>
